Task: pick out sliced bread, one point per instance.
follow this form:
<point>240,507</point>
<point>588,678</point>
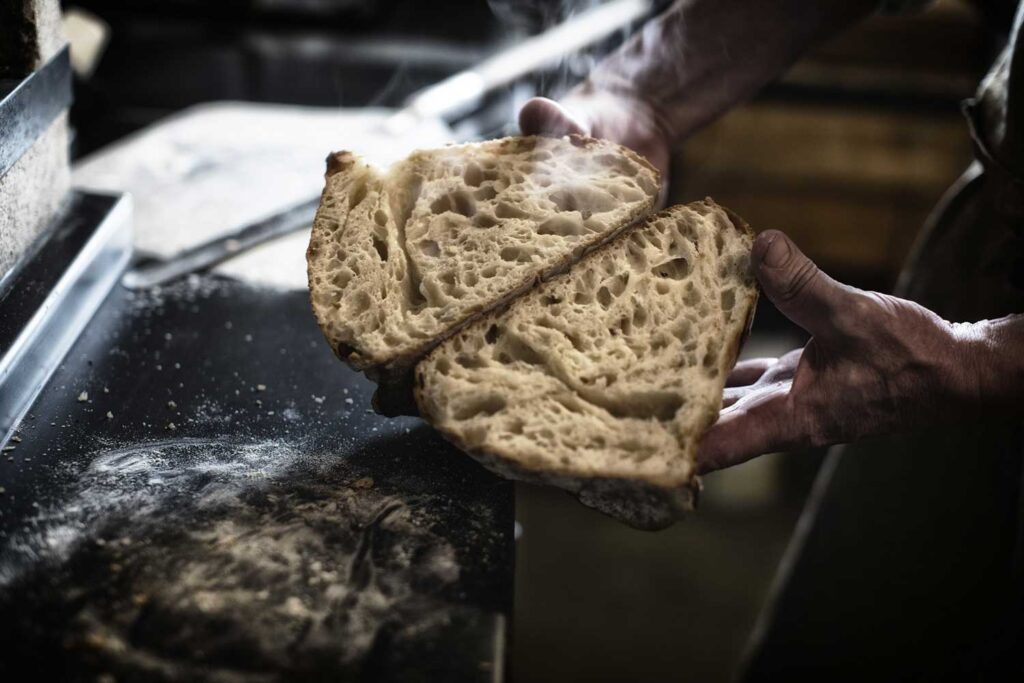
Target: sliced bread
<point>603,379</point>
<point>400,261</point>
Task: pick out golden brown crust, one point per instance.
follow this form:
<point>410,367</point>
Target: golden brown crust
<point>634,501</point>
<point>338,162</point>
<point>743,227</point>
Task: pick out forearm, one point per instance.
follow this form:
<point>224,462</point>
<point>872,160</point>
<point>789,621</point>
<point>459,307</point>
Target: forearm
<point>702,56</point>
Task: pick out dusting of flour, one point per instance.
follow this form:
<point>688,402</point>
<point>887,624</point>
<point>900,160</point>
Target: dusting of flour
<point>212,560</point>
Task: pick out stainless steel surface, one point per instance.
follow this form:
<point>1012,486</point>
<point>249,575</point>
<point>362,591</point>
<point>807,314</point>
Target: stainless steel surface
<point>28,106</point>
<point>46,304</point>
<point>220,249</point>
<point>34,173</point>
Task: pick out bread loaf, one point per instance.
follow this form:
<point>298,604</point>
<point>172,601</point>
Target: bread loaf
<point>555,330</point>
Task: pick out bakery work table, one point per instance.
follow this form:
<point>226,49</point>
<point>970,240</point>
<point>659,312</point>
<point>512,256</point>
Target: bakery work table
<point>200,489</point>
<point>200,492</point>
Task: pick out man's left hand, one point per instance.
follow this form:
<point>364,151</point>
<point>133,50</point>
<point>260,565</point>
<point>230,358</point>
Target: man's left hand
<point>875,364</point>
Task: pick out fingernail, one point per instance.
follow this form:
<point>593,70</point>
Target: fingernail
<point>777,252</point>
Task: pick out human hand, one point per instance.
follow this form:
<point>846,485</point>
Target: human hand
<point>629,122</point>
<point>875,364</point>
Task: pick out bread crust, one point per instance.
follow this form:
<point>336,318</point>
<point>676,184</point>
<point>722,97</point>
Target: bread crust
<point>634,501</point>
<point>737,346</point>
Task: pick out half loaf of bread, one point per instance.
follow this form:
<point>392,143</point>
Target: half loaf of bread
<point>603,379</point>
<point>400,261</point>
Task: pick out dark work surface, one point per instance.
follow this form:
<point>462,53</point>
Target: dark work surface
<point>200,491</point>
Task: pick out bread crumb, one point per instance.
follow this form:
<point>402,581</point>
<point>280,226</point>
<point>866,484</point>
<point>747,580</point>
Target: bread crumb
<point>172,405</point>
<point>463,205</point>
<point>171,426</point>
<point>110,415</point>
<point>16,439</point>
<point>677,290</point>
<point>349,401</point>
<point>83,397</point>
<point>261,387</point>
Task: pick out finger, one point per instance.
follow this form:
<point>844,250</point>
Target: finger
<point>757,424</point>
<point>732,394</point>
<point>749,371</point>
<point>541,116</point>
<point>796,286</point>
<point>784,369</point>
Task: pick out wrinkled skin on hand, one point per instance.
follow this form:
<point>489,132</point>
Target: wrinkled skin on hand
<point>876,364</point>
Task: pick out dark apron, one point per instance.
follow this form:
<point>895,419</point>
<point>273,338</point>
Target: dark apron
<point>907,563</point>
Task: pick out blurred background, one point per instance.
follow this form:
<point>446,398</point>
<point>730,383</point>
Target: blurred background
<point>847,153</point>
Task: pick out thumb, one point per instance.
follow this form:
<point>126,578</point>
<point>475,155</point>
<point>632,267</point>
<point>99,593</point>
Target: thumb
<point>541,116</point>
<point>796,286</point>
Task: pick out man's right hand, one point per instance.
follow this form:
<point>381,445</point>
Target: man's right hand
<point>630,123</point>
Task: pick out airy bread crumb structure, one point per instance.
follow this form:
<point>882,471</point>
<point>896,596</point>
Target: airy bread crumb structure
<point>398,262</point>
<point>602,380</point>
